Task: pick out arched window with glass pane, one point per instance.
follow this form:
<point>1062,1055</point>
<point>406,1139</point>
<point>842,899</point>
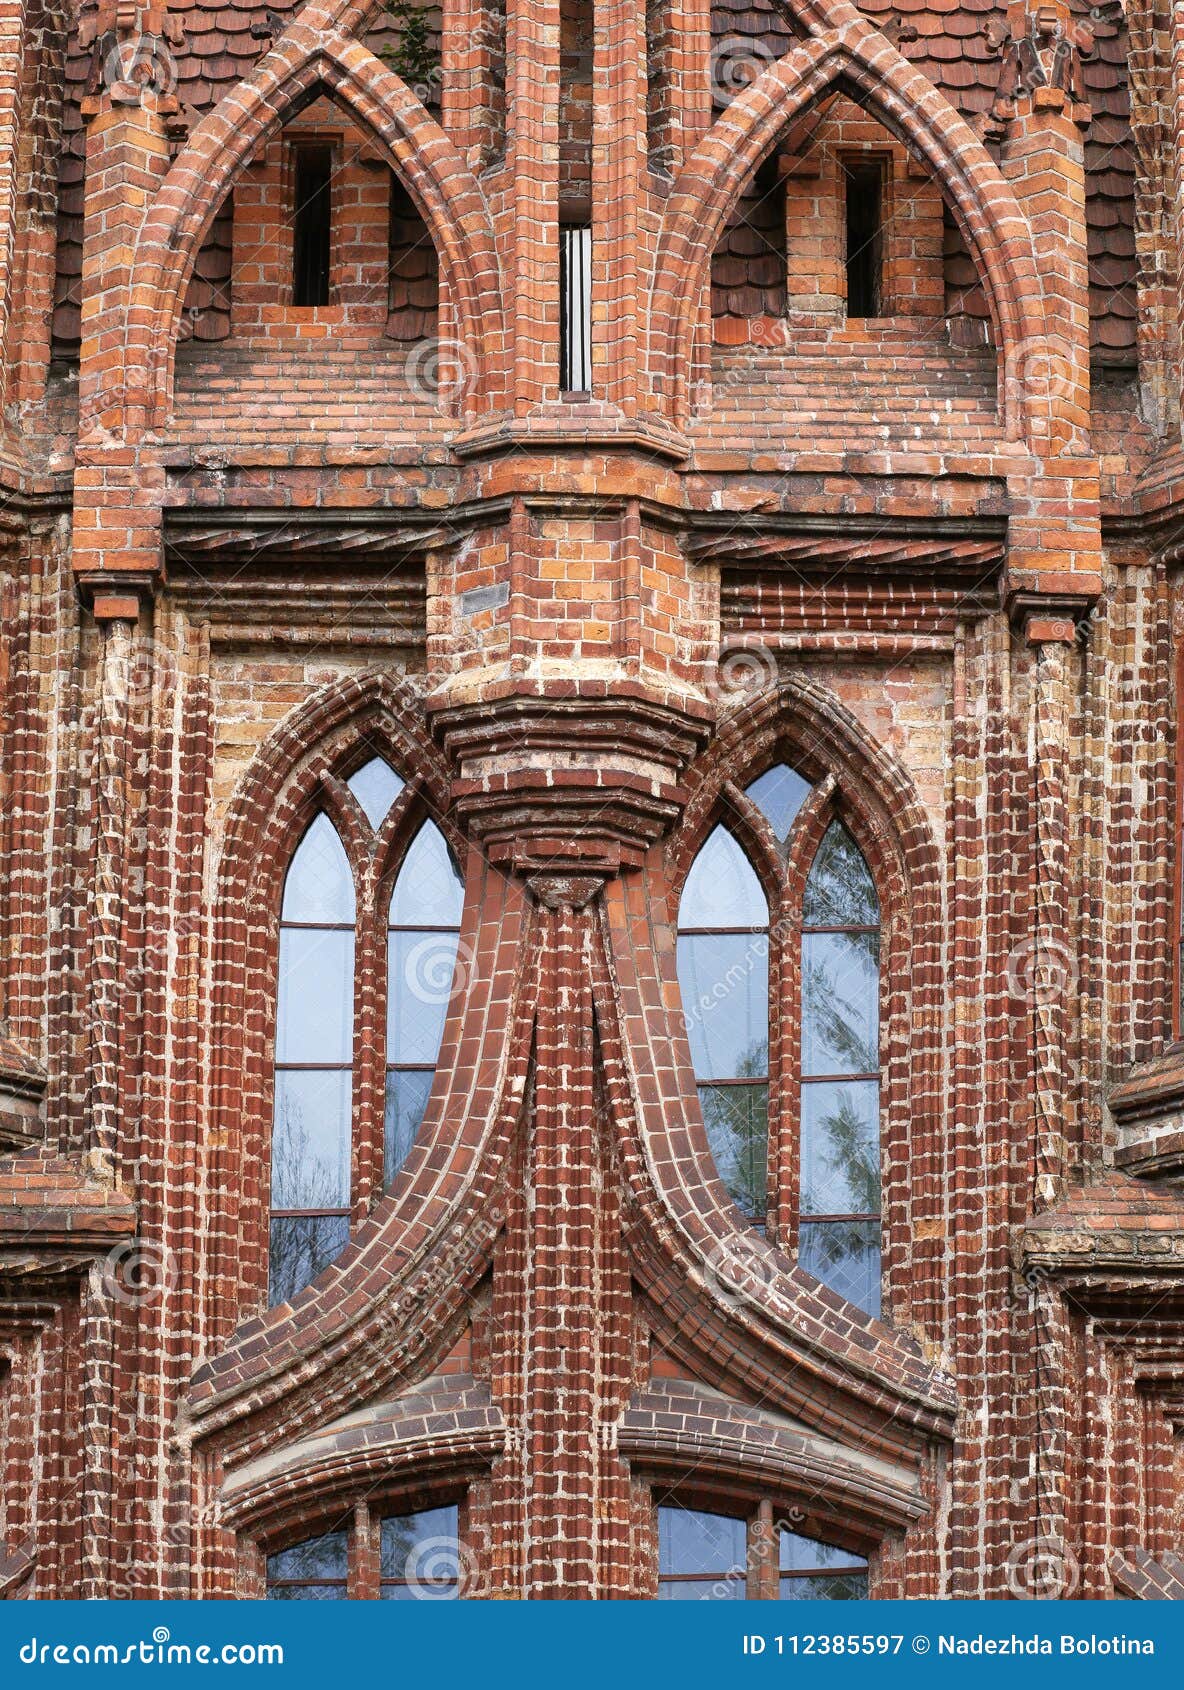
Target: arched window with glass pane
<point>327,1159</point>
<point>707,1557</point>
<point>780,898</point>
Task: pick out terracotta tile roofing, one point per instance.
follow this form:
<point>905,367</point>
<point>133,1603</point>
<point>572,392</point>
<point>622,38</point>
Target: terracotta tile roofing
<point>944,38</point>
<point>950,46</point>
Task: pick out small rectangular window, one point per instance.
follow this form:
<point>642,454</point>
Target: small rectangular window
<point>865,237</point>
<point>575,295</point>
<point>312,172</point>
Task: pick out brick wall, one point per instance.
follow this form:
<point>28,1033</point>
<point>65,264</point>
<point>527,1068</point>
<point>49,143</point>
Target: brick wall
<point>933,566</point>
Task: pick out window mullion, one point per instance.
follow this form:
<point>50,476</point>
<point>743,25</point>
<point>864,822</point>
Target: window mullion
<point>369,1089</point>
<point>363,1556</point>
<point>763,1582</point>
<point>785,1066</point>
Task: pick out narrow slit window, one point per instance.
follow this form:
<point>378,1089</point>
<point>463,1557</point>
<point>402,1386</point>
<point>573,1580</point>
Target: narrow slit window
<point>575,295</point>
<point>312,172</point>
<point>865,237</point>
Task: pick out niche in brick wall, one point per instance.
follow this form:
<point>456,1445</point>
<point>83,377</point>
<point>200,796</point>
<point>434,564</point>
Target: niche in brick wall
<point>833,313</point>
<point>838,224</point>
<point>327,244</point>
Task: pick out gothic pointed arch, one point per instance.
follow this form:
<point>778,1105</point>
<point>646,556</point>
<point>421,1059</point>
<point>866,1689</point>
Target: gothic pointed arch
<point>852,54</point>
<point>312,54</point>
<point>740,1297</point>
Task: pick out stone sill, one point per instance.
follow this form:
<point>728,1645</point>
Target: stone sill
<point>1148,1108</point>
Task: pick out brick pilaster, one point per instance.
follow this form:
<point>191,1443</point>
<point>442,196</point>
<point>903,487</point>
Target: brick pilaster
<point>12,31</point>
<point>1055,530</point>
<point>532,209</point>
<point>1052,971</point>
<point>577,1501</point>
<point>620,229</point>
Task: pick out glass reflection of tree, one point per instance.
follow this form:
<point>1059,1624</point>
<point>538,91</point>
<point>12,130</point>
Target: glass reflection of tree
<point>737,1121</point>
<point>302,1179</point>
<point>839,1019</point>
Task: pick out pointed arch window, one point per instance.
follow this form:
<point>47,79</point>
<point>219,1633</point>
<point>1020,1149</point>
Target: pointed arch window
<point>372,893</point>
<point>779,969</point>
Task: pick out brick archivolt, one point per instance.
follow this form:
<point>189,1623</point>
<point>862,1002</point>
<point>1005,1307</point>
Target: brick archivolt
<point>852,53</point>
<point>312,51</point>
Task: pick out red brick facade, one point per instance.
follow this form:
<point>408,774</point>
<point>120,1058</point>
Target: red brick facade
<point>928,556</point>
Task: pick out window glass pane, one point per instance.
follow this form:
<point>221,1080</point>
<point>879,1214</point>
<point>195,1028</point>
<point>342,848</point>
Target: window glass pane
<point>841,1148</point>
<point>846,1256</point>
<point>406,1100</point>
<point>428,891</point>
<point>319,886</point>
<point>301,1247</point>
<point>722,889</point>
<point>725,1588</point>
<point>840,1003</point>
<point>419,984</point>
<point>318,1558</point>
<point>724,980</point>
<point>375,786</point>
<point>841,1587</point>
<point>701,1557</point>
<point>806,1554</point>
<point>737,1123</point>
<point>839,890</point>
<point>310,1142</point>
<point>420,1555</point>
<point>780,793</point>
<point>315,1012</point>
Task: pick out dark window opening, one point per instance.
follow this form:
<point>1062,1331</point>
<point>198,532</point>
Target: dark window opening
<point>865,238</point>
<point>311,205</point>
<point>575,298</point>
